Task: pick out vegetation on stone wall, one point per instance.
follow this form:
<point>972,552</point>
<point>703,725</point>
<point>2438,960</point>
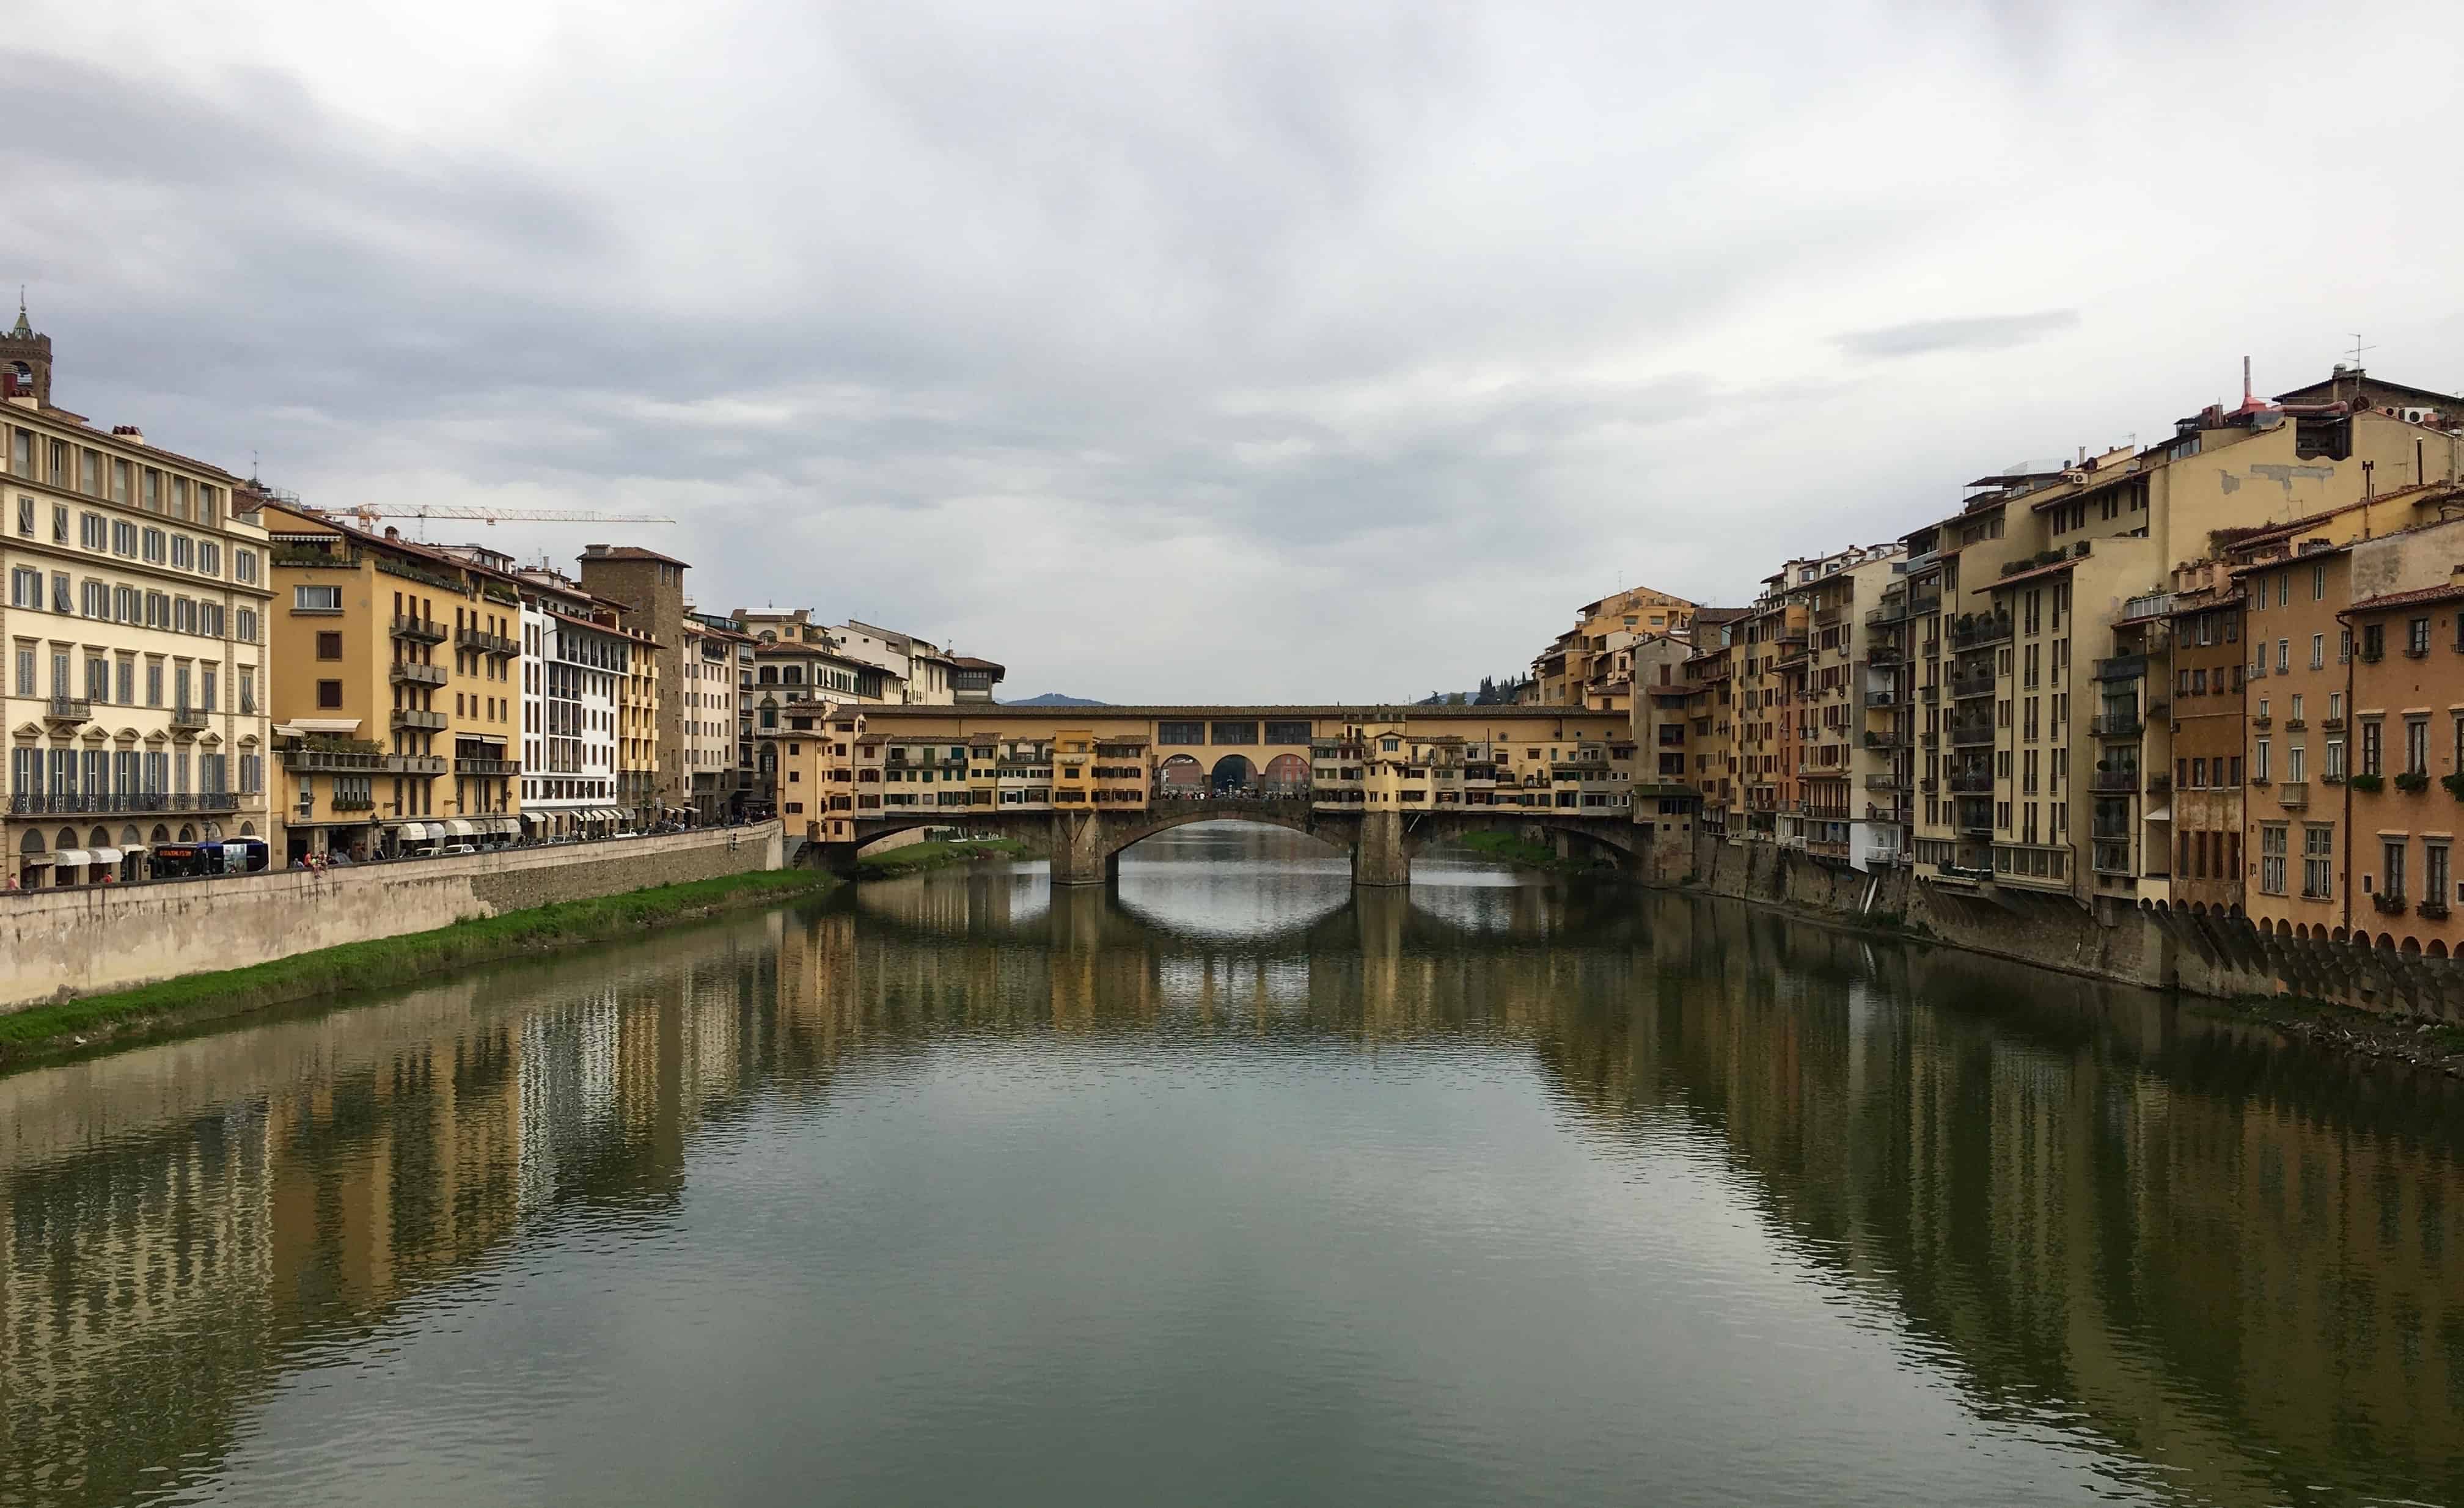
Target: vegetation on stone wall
<point>121,1015</point>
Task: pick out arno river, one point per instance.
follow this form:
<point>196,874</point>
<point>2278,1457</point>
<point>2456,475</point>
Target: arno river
<point>1233,1187</point>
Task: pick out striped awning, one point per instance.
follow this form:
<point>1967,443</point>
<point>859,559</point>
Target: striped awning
<point>412,833</point>
<point>456,827</point>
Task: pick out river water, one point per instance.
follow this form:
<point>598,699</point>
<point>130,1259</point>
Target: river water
<point>1233,1185</point>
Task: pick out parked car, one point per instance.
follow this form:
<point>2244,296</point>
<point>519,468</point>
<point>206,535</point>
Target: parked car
<point>460,848</point>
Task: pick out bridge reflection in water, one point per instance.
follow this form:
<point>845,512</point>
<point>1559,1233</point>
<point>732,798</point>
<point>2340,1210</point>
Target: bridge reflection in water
<point>2094,1216</point>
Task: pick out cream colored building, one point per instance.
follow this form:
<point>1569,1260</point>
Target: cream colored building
<point>135,699</point>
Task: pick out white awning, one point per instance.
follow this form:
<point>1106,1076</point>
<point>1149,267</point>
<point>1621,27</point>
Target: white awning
<point>104,856</point>
<point>534,820</point>
<point>2162,814</point>
<point>72,858</point>
<point>412,833</point>
<point>456,827</point>
<point>299,725</point>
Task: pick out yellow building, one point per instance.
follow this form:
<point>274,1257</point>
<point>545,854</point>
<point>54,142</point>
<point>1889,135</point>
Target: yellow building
<point>1577,668</point>
<point>397,692</point>
<point>135,691</point>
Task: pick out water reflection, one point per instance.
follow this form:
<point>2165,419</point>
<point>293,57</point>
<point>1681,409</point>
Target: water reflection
<point>1841,1222</point>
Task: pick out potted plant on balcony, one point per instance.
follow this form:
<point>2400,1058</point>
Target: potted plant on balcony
<point>2454,784</point>
<point>2412,783</point>
<point>2367,784</point>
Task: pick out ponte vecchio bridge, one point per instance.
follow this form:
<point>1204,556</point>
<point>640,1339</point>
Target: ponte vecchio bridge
<point>1086,782</point>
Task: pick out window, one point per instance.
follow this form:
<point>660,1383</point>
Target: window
<point>2295,764</point>
<point>26,588</point>
<point>96,599</point>
<point>2434,873</point>
<point>329,646</point>
<point>2370,746</point>
<point>2258,763</point>
<point>2317,651</point>
<point>184,551</point>
<point>123,539</point>
<point>2416,636</point>
<point>2318,860</point>
<point>2391,869</point>
<point>315,598</point>
<point>153,683</point>
<point>2283,655</point>
<point>2272,845</point>
<point>329,693</point>
<point>156,545</point>
<point>94,530</point>
<point>2317,583</point>
<point>2416,745</point>
<point>243,566</point>
<point>27,686</point>
<point>244,624</point>
<point>2335,759</point>
<point>210,558</point>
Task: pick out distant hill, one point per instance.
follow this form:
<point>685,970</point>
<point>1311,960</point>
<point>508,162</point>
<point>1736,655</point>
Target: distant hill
<point>1056,699</point>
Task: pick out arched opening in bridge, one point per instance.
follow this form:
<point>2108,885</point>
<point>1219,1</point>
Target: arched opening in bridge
<point>1234,775</point>
<point>1287,774</point>
<point>1182,775</point>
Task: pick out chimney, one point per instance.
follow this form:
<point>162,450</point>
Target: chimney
<point>391,533</point>
<point>130,434</point>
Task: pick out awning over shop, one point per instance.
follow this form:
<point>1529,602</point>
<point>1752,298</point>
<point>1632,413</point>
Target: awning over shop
<point>412,833</point>
<point>533,819</point>
<point>72,858</point>
<point>456,827</point>
<point>105,856</point>
<point>497,824</point>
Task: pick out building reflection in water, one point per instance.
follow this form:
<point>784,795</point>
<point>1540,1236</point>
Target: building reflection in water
<point>2155,1226</point>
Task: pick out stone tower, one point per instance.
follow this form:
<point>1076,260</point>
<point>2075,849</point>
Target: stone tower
<point>650,589</point>
<point>26,358</point>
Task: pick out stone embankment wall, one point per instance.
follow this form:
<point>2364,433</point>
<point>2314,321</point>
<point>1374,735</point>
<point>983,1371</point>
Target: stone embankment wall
<point>2163,949</point>
<point>77,942</point>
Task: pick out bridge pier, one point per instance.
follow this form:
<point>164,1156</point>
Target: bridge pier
<point>1378,855</point>
<point>1079,850</point>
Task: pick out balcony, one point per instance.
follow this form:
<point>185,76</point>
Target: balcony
<point>1922,605</point>
<point>410,672</point>
<point>67,710</point>
<point>1885,653</point>
<point>1890,612</point>
<point>1882,699</point>
<point>1971,785</point>
<point>2294,795</point>
<point>206,801</point>
<point>1929,693</point>
<point>414,764</point>
<point>190,719</point>
<point>2154,605</point>
<point>2293,725</point>
<point>419,630</point>
<point>2115,725</point>
<point>2331,725</point>
<point>2112,857</point>
<point>2388,905</point>
<point>331,761</point>
<point>1975,825</point>
<point>1977,632</point>
<point>2122,668</point>
<point>1885,742</point>
<point>490,767</point>
<point>349,803</point>
<point>1827,616</point>
<point>485,643</point>
<point>2262,721</point>
<point>1885,782</point>
<point>1970,686</point>
<point>1971,736</point>
<point>420,718</point>
<point>2119,782</point>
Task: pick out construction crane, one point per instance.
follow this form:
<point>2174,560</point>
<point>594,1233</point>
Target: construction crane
<point>367,515</point>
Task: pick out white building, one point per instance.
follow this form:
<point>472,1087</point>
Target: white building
<point>574,658</point>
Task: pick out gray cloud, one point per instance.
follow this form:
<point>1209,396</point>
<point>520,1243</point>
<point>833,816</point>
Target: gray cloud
<point>1256,351</point>
<point>1988,332</point>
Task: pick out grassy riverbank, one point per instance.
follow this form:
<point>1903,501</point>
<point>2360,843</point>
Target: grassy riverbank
<point>915,858</point>
<point>1516,849</point>
<point>124,1015</point>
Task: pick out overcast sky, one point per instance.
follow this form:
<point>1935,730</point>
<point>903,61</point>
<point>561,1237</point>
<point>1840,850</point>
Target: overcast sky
<point>1256,352</point>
